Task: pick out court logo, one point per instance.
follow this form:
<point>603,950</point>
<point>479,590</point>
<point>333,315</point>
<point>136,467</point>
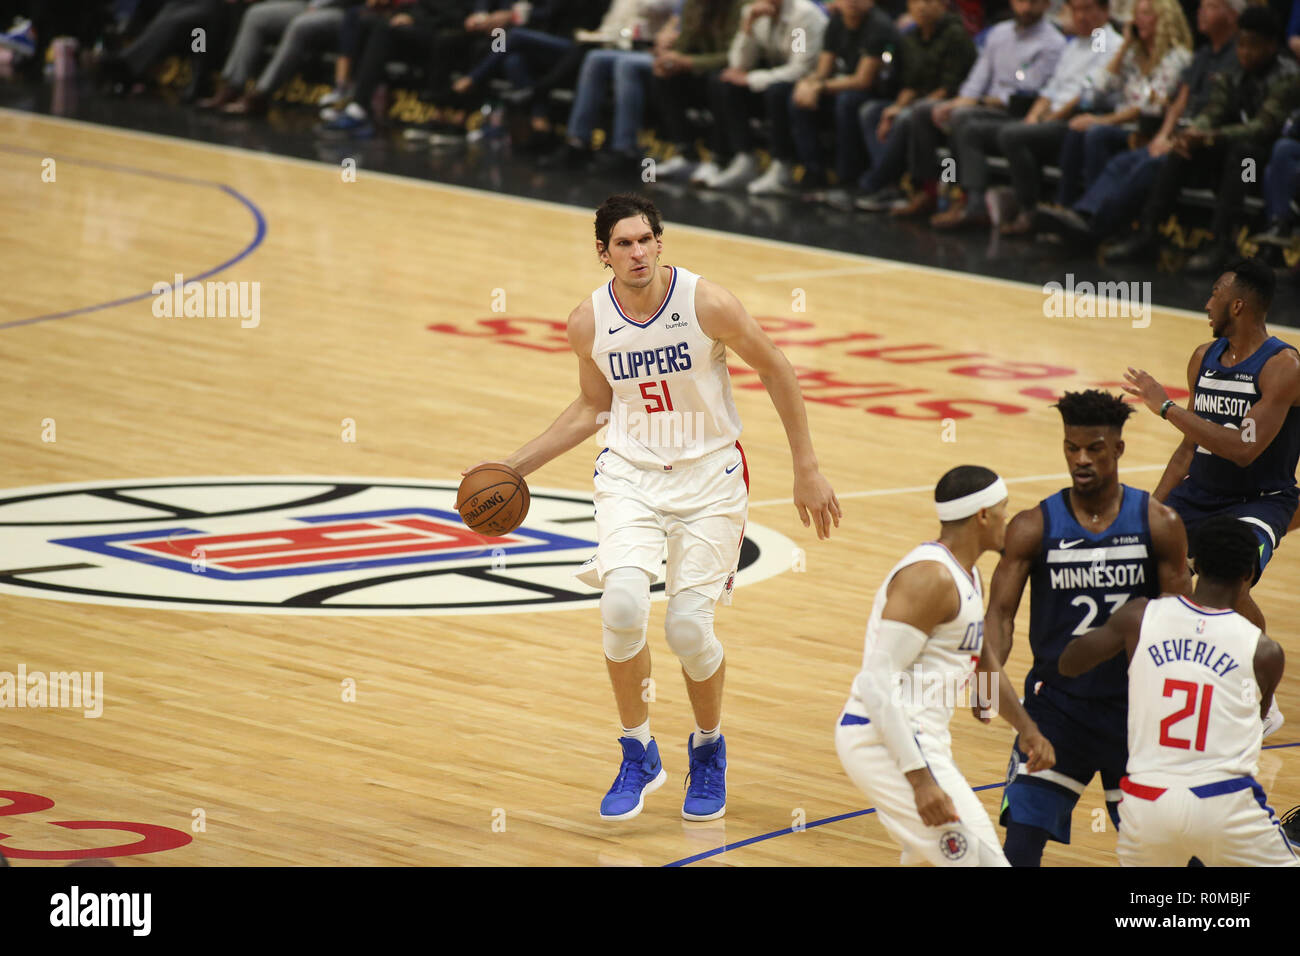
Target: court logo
<point>953,845</point>
<point>305,545</point>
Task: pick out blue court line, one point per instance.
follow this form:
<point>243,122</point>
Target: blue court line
<point>258,236</point>
<point>686,861</point>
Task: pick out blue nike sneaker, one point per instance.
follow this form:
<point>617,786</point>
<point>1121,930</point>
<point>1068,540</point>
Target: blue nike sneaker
<point>706,791</point>
<point>641,772</point>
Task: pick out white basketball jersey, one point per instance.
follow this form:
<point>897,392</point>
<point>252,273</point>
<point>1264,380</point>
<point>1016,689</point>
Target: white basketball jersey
<point>672,394</point>
<point>1193,702</point>
<point>935,682</point>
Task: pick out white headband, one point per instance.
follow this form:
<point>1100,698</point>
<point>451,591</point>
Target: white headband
<point>966,506</point>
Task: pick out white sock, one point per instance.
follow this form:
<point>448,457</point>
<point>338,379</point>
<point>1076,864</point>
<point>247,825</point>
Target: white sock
<point>640,734</point>
<point>706,737</point>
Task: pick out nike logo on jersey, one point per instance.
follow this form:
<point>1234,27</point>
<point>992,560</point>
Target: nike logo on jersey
<point>733,467</point>
<point>1070,544</point>
<point>619,329</point>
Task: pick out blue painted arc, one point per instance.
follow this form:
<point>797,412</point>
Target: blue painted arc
<point>259,233</point>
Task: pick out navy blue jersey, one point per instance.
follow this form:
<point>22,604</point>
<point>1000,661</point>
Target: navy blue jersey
<point>1223,395</point>
<point>1079,580</point>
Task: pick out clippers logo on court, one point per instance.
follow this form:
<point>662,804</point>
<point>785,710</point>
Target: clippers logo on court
<point>306,545</point>
<point>953,845</point>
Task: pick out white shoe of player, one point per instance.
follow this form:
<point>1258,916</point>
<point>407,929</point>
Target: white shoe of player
<point>1273,720</point>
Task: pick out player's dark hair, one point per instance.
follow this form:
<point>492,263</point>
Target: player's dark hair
<point>1093,407</point>
<point>624,206</point>
<point>962,481</point>
<point>1261,21</point>
<point>1226,550</point>
<point>1254,278</point>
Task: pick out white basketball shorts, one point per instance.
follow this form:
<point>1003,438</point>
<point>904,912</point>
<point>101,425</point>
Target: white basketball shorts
<point>1221,824</point>
<point>972,842</point>
<point>695,513</point>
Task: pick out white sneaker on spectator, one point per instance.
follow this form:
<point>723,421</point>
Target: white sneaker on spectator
<point>332,98</point>
<point>678,167</point>
<point>705,174</point>
<point>329,114</point>
<point>740,172</point>
<point>777,180</point>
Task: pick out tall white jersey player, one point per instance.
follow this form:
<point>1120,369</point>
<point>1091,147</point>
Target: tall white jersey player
<point>923,647</point>
<point>651,346</point>
<point>1200,677</point>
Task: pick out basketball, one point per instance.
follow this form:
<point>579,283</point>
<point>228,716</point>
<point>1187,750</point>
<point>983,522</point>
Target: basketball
<point>493,499</point>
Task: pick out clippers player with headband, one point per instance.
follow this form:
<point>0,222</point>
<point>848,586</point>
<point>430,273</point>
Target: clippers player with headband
<point>922,648</point>
<point>1241,426</point>
<point>652,349</point>
<point>1200,677</point>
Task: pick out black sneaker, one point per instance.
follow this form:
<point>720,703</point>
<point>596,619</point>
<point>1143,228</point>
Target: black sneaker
<point>1291,825</point>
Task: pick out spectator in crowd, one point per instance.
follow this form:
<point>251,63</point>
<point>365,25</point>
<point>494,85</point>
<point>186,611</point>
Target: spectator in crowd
<point>301,25</point>
<point>1018,59</point>
<point>777,44</point>
<point>1115,197</point>
<point>407,33</point>
<point>533,47</point>
<point>1281,184</point>
<point>1242,119</point>
<point>1143,77</point>
<point>627,24</point>
<point>856,65</point>
<point>172,32</point>
<point>625,74</point>
<point>680,76</point>
<point>1040,135</point>
<point>936,54</point>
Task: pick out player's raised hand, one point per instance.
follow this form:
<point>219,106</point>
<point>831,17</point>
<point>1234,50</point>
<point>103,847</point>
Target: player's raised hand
<point>1038,749</point>
<point>1142,384</point>
<point>935,807</point>
<point>813,496</point>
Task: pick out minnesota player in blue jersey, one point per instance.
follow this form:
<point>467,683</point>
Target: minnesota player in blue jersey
<point>1085,551</point>
<point>1241,426</point>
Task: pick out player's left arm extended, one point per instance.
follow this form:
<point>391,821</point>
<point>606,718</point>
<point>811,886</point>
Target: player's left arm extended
<point>1003,701</point>
<point>723,318</point>
<point>1279,383</point>
<point>1119,633</point>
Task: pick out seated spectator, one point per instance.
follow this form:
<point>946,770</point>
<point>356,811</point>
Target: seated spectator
<point>626,24</point>
<point>1116,196</point>
<point>1018,59</point>
<point>1241,121</point>
<point>532,48</point>
<point>625,73</point>
<point>762,69</point>
<point>172,32</point>
<point>1041,134</point>
<point>1143,77</point>
<point>936,54</point>
<point>1281,185</point>
<point>855,65</point>
<point>301,25</point>
<point>680,76</point>
<point>409,33</point>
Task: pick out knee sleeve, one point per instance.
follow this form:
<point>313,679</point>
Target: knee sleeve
<point>688,626</point>
<point>625,612</point>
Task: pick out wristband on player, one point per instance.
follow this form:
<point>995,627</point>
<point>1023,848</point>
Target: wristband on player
<point>1164,408</point>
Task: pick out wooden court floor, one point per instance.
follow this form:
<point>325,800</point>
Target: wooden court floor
<point>481,738</point>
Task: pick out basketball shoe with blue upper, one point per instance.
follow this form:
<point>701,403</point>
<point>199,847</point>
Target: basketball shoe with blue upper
<point>706,784</point>
<point>642,772</point>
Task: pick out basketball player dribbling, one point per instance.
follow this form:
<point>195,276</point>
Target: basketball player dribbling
<point>652,346</point>
<point>923,643</point>
<point>1241,426</point>
<point>1200,677</point>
